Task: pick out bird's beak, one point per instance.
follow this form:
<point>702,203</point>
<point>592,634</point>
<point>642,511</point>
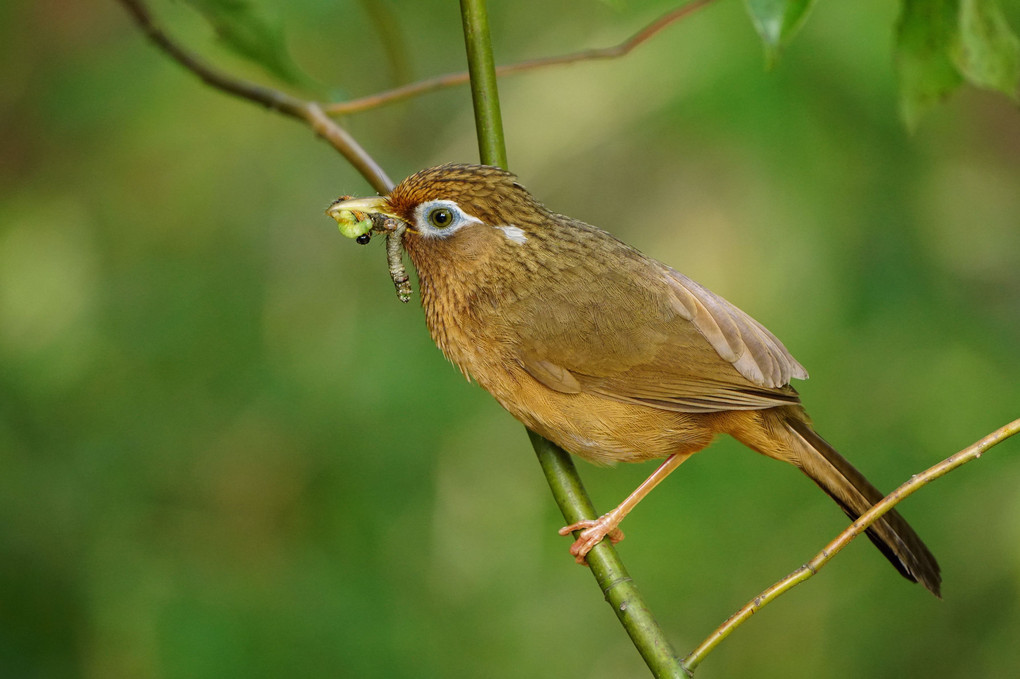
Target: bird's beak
<point>354,215</point>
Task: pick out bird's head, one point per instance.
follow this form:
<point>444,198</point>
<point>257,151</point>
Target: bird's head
<point>451,208</point>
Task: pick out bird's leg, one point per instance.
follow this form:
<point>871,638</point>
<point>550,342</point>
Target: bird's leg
<point>608,525</point>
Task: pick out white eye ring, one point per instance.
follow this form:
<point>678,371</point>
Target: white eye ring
<point>429,218</point>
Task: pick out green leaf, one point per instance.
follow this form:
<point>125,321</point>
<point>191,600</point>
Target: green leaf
<point>776,22</point>
<point>250,35</point>
<point>925,35</point>
<point>987,52</point>
<point>942,43</point>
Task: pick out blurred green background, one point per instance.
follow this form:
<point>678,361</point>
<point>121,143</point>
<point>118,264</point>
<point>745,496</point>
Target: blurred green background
<point>227,450</point>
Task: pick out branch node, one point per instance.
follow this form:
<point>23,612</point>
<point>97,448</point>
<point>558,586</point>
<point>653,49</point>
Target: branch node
<point>614,583</point>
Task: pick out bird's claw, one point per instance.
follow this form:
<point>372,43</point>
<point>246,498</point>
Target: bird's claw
<point>592,533</point>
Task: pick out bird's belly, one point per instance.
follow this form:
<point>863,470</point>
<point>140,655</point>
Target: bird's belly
<point>600,429</point>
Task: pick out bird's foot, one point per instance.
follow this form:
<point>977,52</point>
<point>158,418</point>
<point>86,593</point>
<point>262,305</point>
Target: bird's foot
<point>592,532</point>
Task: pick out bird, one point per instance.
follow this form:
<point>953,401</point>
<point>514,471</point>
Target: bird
<point>608,353</point>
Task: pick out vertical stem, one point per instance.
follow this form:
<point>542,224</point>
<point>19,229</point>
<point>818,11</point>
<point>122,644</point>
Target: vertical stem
<point>613,579</point>
<point>484,90</point>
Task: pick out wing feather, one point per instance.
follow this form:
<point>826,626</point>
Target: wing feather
<point>739,339</point>
<point>627,327</point>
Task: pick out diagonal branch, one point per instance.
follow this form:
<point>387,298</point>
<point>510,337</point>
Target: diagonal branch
<point>453,79</point>
<point>618,588</point>
<point>916,482</point>
<point>307,111</point>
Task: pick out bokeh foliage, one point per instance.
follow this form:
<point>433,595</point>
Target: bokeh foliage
<point>226,450</point>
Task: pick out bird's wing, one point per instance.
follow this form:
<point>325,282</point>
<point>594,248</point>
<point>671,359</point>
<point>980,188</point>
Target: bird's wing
<point>655,337</point>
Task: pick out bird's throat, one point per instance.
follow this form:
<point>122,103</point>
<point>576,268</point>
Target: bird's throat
<point>448,297</point>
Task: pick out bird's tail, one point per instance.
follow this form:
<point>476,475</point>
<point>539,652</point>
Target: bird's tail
<point>852,492</point>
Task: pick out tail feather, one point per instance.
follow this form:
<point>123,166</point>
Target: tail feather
<point>785,433</point>
<point>855,495</point>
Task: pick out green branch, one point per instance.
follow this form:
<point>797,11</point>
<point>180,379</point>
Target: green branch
<point>484,89</point>
<point>567,489</point>
<point>615,582</point>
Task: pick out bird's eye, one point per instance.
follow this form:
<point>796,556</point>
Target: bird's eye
<point>440,217</point>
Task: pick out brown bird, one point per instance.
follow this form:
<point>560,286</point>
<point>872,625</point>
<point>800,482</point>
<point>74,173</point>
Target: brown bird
<point>609,353</point>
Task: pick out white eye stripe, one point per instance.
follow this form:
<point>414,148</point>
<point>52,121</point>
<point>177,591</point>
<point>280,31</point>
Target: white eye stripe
<point>514,234</point>
<point>460,218</point>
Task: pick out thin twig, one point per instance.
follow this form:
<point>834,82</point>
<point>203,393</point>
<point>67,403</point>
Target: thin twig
<point>284,103</point>
<point>453,79</point>
<point>798,576</point>
<point>343,142</point>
